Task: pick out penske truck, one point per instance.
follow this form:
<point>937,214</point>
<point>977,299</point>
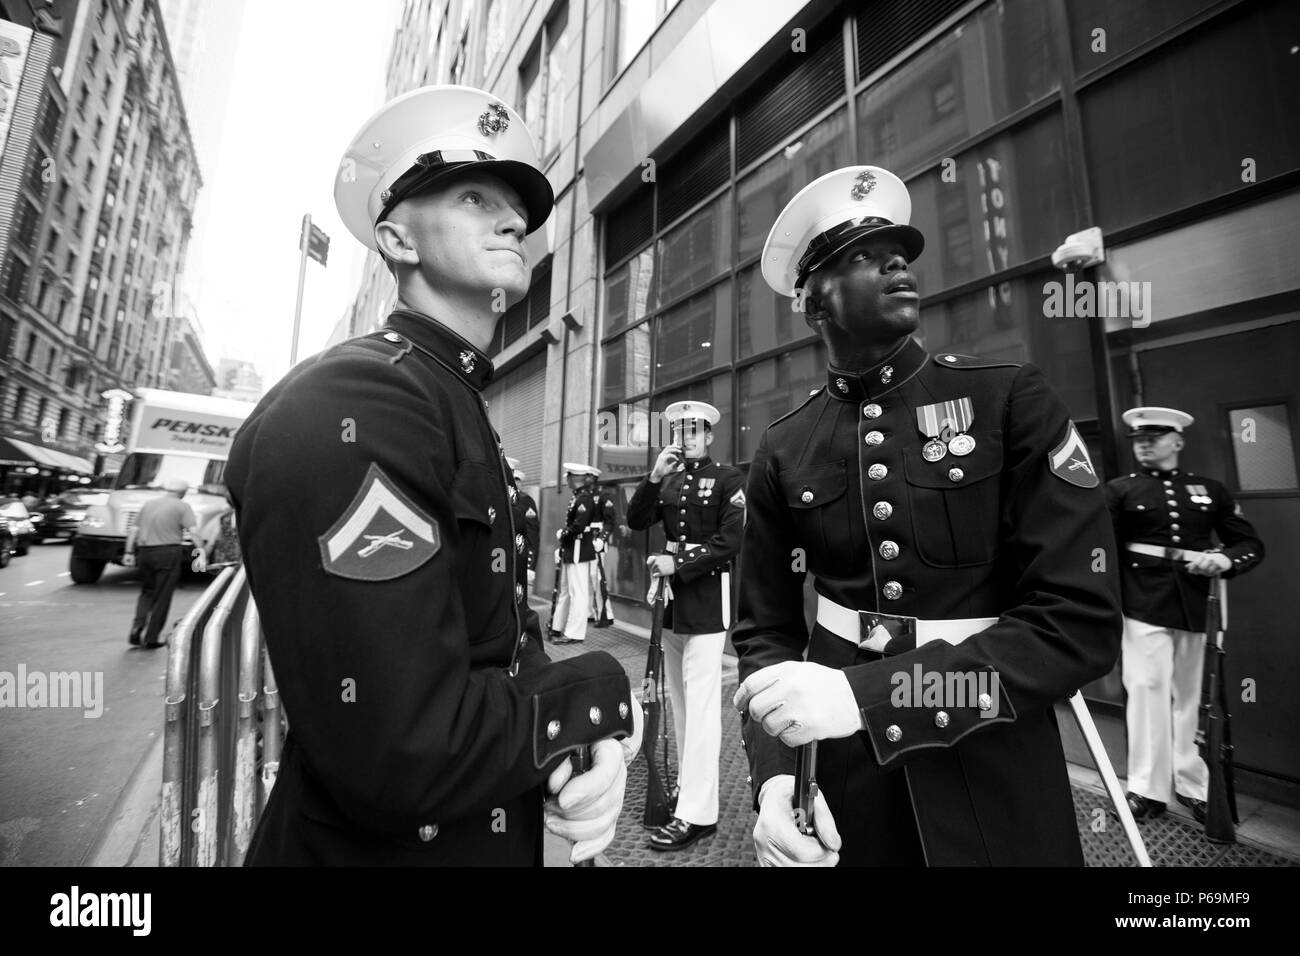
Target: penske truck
<point>171,435</point>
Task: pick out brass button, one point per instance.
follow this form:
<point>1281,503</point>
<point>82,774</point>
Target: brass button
<point>1175,526</point>
<point>428,832</point>
<point>986,702</point>
<point>892,590</point>
<point>877,471</point>
<point>956,474</point>
<point>1173,514</point>
<point>552,730</point>
<point>594,716</point>
<point>888,550</point>
<point>807,496</point>
<point>941,720</point>
<point>882,509</point>
<point>623,710</point>
<point>874,438</point>
<point>1176,539</point>
<point>392,337</point>
<point>1169,484</point>
<point>894,733</point>
<point>872,411</point>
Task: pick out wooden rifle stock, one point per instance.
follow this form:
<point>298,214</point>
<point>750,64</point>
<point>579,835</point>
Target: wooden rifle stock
<point>654,738</point>
<point>1214,736</point>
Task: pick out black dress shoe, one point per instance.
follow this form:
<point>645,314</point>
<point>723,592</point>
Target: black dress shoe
<point>1191,803</point>
<point>154,644</point>
<point>1144,808</point>
<point>678,834</point>
<point>135,635</point>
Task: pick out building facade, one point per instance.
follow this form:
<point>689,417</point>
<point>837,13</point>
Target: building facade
<point>88,283</point>
<point>674,132</point>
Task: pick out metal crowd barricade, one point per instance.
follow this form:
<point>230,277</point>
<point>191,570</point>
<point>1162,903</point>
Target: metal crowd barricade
<point>223,735</point>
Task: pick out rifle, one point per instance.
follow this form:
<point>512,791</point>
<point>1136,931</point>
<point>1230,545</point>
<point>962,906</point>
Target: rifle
<point>805,788</point>
<point>1213,734</point>
<point>581,761</point>
<point>654,735</point>
<point>606,617</point>
<point>555,592</point>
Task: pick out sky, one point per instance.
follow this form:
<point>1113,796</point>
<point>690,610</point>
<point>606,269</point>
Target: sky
<point>307,74</point>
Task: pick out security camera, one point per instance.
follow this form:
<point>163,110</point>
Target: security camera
<point>1080,251</point>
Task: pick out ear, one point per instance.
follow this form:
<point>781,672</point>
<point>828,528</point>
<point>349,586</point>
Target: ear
<point>708,437</point>
<point>395,243</point>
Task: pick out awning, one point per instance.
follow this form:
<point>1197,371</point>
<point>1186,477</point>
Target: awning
<point>15,451</point>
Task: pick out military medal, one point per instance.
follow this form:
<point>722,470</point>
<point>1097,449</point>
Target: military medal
<point>945,424</point>
<point>961,444</point>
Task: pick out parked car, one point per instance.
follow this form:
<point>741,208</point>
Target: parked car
<point>20,524</point>
<point>6,543</point>
<point>62,516</point>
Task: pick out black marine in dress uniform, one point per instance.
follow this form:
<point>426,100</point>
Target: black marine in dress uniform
<point>701,503</point>
<point>524,511</point>
<point>587,522</point>
<point>1165,520</point>
<point>953,524</point>
<point>376,527</point>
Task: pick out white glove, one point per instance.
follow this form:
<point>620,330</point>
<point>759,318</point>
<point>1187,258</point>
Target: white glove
<point>128,560</point>
<point>532,577</point>
<point>778,842</point>
<point>586,807</point>
<point>799,702</point>
<point>598,545</point>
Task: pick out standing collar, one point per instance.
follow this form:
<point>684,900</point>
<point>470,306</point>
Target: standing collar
<point>1157,473</point>
<point>431,336</point>
<point>901,365</point>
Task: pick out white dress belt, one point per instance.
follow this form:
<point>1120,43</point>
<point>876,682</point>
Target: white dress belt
<point>1155,551</point>
<point>672,547</point>
<point>846,623</point>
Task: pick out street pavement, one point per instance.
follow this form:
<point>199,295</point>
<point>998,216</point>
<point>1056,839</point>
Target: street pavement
<point>62,771</point>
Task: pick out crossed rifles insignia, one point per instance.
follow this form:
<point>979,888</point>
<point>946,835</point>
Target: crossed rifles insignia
<point>381,534</point>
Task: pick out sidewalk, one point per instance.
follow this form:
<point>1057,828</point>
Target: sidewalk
<point>1269,835</point>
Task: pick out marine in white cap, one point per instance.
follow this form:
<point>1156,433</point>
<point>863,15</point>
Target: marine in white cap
<point>400,569</point>
<point>526,519</point>
<point>1179,531</point>
<point>949,515</point>
<point>581,595</point>
<point>701,503</point>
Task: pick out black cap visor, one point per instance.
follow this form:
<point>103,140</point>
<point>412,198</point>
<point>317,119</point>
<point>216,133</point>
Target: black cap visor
<point>430,172</point>
<point>828,244</point>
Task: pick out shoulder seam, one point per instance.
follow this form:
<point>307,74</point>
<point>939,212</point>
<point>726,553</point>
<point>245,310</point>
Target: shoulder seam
<point>806,402</point>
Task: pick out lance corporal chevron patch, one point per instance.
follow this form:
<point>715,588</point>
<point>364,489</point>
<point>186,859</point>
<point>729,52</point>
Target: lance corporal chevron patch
<point>381,535</point>
<point>1070,461</point>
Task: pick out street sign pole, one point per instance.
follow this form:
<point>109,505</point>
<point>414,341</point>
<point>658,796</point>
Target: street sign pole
<point>303,240</point>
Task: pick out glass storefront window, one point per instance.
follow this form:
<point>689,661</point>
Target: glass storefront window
<point>773,387</point>
<point>1008,322</point>
<point>1178,126</point>
<point>765,319</point>
<point>627,291</point>
<point>1011,201</point>
<point>626,550</point>
<point>717,392</point>
<point>694,336</point>
<point>987,67</point>
<point>762,194</point>
<point>696,251</point>
<point>627,365</point>
<point>623,439</point>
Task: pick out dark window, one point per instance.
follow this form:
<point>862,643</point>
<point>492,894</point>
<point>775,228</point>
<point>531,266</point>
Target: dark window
<point>50,122</point>
<point>1224,134</point>
<point>1011,201</point>
<point>1263,447</point>
<point>627,291</point>
<point>1101,30</point>
<point>938,98</point>
<point>694,336</point>
<point>771,388</point>
<point>627,365</point>
<point>17,276</point>
<point>765,319</point>
<point>696,251</point>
